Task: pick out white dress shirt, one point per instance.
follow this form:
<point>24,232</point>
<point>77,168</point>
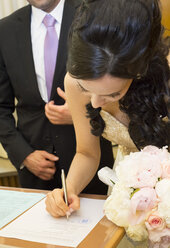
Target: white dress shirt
<point>38,32</point>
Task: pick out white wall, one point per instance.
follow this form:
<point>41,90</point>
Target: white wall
<point>9,6</point>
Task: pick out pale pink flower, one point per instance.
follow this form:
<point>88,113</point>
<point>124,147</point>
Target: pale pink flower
<point>140,199</point>
<point>162,154</point>
<point>141,202</point>
<point>152,150</point>
<point>145,178</point>
<point>143,168</point>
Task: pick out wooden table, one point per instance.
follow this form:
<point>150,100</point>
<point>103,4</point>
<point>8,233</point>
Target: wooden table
<point>104,235</point>
<point>8,173</point>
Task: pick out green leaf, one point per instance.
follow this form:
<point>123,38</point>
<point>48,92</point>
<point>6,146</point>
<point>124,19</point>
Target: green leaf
<point>112,181</point>
<point>135,190</point>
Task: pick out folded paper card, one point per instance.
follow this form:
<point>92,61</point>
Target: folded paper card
<point>13,203</point>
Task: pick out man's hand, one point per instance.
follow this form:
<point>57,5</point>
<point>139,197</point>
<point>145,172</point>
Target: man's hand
<point>41,164</point>
<point>58,114</point>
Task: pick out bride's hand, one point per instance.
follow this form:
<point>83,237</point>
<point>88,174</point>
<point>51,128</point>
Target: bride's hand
<point>56,206</point>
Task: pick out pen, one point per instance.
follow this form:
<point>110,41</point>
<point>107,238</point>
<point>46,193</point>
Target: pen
<point>63,179</point>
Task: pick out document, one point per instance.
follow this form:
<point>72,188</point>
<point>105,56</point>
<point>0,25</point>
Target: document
<point>38,226</point>
<point>13,203</point>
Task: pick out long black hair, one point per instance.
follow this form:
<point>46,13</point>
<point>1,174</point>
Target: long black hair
<point>123,38</point>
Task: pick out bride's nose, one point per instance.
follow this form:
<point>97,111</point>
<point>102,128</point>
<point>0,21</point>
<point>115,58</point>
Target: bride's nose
<point>97,101</point>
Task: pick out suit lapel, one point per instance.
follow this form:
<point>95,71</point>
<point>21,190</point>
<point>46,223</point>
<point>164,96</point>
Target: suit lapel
<point>68,14</point>
<point>25,52</point>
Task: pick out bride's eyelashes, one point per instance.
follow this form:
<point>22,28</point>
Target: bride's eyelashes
<point>113,95</point>
<point>80,87</point>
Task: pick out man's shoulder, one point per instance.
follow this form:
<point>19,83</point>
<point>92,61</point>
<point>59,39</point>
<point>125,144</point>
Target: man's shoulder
<point>77,3</point>
<point>74,3</point>
<point>15,16</point>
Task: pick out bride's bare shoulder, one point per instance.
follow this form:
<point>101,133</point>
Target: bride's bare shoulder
<point>73,90</point>
<point>69,81</point>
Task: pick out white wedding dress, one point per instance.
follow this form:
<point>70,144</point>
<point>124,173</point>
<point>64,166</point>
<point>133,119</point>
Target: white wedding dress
<point>118,133</point>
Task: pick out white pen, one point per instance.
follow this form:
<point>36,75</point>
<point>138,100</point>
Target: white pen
<point>63,179</point>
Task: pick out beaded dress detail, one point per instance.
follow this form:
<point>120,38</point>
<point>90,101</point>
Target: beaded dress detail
<point>117,133</point>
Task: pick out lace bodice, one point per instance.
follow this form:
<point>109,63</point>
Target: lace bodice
<point>117,133</point>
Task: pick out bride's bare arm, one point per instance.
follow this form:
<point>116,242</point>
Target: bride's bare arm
<point>87,157</point>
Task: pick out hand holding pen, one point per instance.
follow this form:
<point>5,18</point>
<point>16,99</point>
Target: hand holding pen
<point>56,204</point>
<point>74,203</point>
<point>63,180</point>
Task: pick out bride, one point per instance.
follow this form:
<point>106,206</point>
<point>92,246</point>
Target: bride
<point>116,86</point>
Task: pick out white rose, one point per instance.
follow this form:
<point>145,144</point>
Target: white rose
<point>164,211</point>
<point>117,205</point>
<point>137,232</point>
<point>166,169</point>
<point>162,189</point>
<point>127,164</point>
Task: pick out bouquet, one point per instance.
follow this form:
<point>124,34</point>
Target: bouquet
<point>140,198</point>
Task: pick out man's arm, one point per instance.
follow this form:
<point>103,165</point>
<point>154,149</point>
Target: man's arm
<point>12,140</point>
<point>40,163</point>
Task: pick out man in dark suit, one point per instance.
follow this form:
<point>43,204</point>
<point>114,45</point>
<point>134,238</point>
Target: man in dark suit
<point>37,147</point>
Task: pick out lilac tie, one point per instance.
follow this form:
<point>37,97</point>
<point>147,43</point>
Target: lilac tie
<point>50,51</point>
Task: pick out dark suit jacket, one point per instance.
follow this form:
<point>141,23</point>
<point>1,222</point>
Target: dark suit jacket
<point>33,131</point>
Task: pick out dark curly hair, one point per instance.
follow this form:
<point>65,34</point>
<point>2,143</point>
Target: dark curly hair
<point>123,38</point>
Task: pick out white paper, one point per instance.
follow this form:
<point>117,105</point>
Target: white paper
<point>38,226</point>
<point>14,203</point>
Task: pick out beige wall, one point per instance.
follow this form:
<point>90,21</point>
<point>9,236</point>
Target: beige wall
<point>166,15</point>
<point>9,6</point>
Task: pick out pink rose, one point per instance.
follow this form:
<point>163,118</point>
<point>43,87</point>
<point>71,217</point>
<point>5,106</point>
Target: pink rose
<point>141,202</point>
<point>166,169</point>
<point>154,221</point>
